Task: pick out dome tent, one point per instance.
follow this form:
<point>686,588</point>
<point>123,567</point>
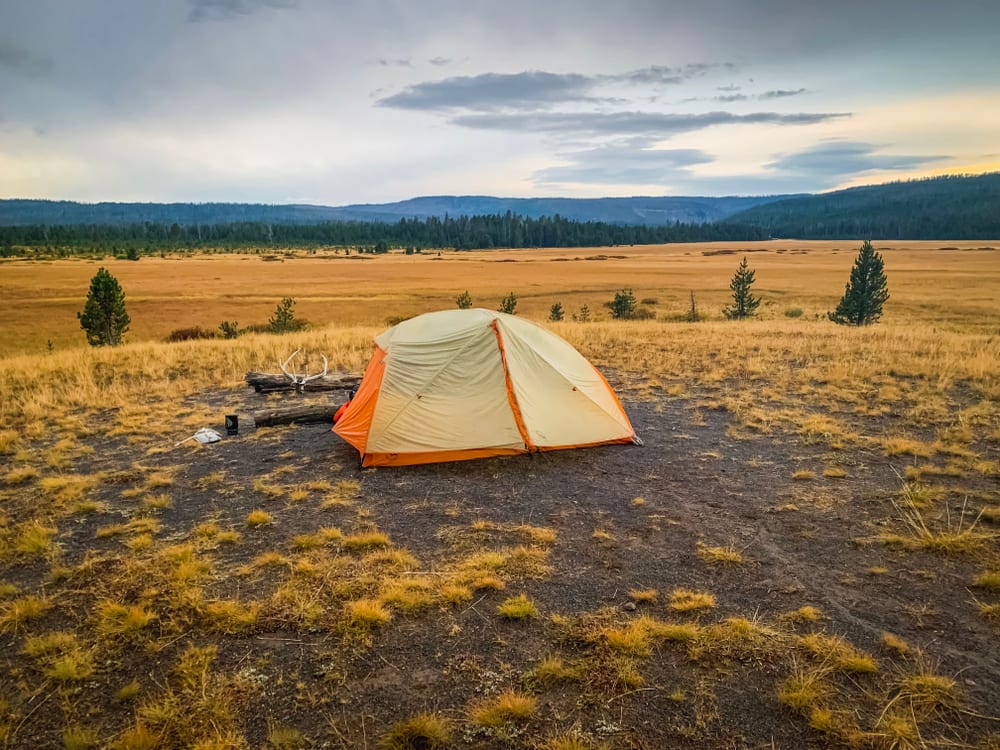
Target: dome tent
<point>462,384</point>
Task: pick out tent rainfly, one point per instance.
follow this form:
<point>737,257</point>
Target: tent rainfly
<point>462,384</point>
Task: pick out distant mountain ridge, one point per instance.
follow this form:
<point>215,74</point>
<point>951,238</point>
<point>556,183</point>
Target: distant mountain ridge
<point>951,207</point>
<point>648,211</point>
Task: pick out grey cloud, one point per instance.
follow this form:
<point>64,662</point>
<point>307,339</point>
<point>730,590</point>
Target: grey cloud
<point>622,164</point>
<point>781,93</point>
<point>395,62</point>
<point>652,74</point>
<point>492,90</point>
<point>731,98</point>
<point>222,10</point>
<point>649,124</point>
<point>841,158</point>
<point>23,61</point>
<point>440,61</point>
<point>663,74</point>
<point>730,87</point>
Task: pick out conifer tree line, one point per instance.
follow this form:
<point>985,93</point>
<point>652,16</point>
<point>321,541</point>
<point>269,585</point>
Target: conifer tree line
<point>461,233</point>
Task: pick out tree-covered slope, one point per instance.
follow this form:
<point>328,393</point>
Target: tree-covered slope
<point>954,207</point>
<point>639,211</point>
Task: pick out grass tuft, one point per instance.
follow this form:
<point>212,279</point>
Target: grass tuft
<point>518,607</point>
<point>19,612</point>
<point>643,596</point>
<point>894,643</point>
<point>365,540</point>
<point>838,654</point>
<point>804,689</point>
<point>282,737</point>
<point>720,555</point>
<point>369,613</point>
<point>119,620</point>
<point>425,731</point>
<point>989,579</point>
<point>509,706</point>
<point>552,669</point>
<point>685,600</point>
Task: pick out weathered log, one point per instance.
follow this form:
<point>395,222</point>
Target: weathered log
<point>294,415</point>
<point>265,382</point>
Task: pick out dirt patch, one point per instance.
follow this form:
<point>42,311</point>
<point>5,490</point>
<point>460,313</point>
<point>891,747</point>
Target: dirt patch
<point>621,520</point>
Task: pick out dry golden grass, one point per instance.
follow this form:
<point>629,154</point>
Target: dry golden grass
<point>509,706</point>
<point>166,294</point>
<point>518,607</point>
<point>424,731</point>
<point>685,600</point>
<point>802,377</point>
<point>720,555</point>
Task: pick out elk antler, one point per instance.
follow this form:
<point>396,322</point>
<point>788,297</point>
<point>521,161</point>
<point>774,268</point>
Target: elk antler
<point>299,381</point>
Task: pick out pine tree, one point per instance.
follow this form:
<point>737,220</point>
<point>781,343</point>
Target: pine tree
<point>744,303</point>
<point>623,305</point>
<point>283,320</point>
<point>866,291</point>
<point>556,313</point>
<point>508,304</point>
<point>464,300</point>
<point>104,317</point>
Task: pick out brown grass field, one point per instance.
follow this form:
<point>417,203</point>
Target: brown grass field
<point>806,552</point>
<point>947,283</point>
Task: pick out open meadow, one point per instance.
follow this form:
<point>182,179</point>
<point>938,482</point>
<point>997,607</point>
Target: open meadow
<point>805,553</point>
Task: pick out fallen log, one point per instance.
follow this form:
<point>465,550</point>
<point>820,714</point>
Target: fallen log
<point>311,414</point>
<point>264,382</point>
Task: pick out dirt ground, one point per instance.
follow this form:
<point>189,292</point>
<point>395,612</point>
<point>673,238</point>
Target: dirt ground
<point>695,484</point>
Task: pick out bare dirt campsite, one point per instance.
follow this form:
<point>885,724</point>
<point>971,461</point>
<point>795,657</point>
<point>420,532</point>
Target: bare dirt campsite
<point>804,553</point>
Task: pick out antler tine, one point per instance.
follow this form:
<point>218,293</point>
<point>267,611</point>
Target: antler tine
<point>326,367</point>
<point>283,365</point>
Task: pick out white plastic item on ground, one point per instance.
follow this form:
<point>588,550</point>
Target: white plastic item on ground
<point>204,435</point>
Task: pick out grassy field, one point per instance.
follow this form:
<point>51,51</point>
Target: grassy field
<point>806,552</point>
<point>947,284</point>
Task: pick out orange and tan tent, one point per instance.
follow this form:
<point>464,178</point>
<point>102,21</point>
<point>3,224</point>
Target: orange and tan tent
<point>460,384</point>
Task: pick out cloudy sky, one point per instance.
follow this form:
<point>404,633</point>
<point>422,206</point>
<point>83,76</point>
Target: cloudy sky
<point>347,101</point>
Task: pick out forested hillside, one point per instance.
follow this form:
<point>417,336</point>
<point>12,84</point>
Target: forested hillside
<point>650,211</point>
<point>955,207</point>
<point>477,232</point>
